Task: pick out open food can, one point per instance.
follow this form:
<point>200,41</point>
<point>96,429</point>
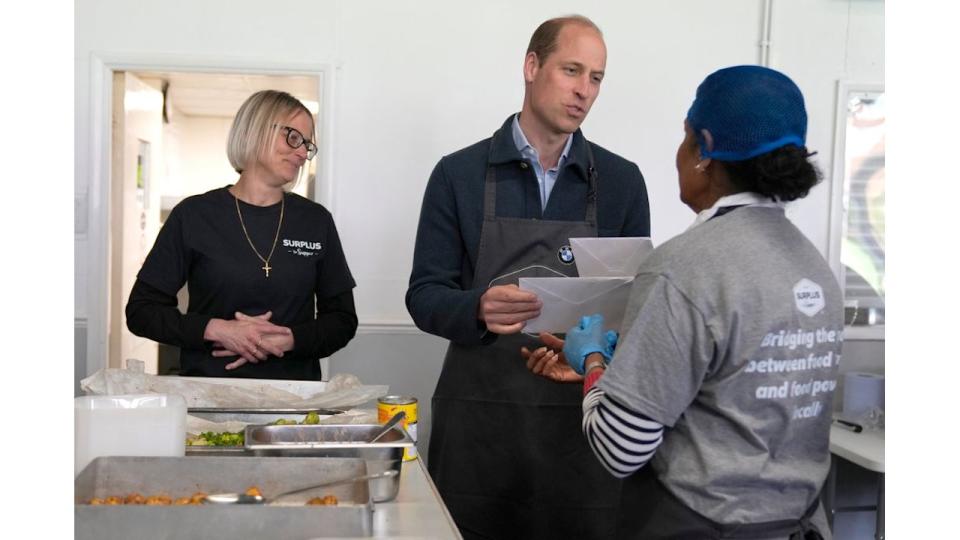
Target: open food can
<point>387,406</point>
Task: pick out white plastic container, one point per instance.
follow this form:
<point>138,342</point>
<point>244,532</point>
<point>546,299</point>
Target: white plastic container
<point>128,425</point>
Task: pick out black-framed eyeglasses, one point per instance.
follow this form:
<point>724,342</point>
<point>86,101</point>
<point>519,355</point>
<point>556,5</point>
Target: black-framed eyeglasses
<point>296,139</point>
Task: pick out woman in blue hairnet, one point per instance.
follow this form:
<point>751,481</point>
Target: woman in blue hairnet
<point>723,374</point>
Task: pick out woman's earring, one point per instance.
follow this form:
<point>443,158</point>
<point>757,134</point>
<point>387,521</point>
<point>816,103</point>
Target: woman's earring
<point>702,165</point>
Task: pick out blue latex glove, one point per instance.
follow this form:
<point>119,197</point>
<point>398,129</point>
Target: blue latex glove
<point>586,338</point>
<point>612,337</point>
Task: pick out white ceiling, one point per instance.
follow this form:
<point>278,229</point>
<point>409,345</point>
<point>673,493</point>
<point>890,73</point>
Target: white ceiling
<point>221,94</point>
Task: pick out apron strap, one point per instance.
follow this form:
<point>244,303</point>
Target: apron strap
<point>724,210</point>
<point>490,191</point>
<point>592,181</point>
<point>490,188</point>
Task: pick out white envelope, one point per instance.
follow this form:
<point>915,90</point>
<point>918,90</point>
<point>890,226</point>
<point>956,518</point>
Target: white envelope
<point>608,257</point>
<point>565,300</point>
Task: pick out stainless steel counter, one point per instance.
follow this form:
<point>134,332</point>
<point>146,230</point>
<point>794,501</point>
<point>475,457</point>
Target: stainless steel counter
<point>417,513</point>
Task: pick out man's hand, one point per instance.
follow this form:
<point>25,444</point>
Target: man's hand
<point>505,308</point>
<point>549,361</point>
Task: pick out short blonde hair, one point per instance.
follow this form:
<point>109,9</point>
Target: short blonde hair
<point>257,123</point>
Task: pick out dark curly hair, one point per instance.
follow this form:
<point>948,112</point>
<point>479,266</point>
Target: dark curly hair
<point>784,174</point>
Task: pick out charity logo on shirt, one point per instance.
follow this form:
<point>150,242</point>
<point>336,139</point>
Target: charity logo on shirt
<point>809,297</point>
<point>797,366</point>
<point>302,248</point>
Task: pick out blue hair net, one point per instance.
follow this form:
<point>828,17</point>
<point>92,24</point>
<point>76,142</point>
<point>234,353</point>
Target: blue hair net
<point>749,111</point>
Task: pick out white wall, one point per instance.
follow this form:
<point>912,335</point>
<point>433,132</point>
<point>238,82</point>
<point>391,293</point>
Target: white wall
<point>419,79</point>
<point>443,75</point>
<point>195,155</point>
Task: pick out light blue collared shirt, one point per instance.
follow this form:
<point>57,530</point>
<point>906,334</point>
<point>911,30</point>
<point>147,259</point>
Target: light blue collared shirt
<point>545,179</point>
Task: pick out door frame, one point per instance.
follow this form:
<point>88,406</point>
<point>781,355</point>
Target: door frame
<point>102,67</point>
<point>837,217</point>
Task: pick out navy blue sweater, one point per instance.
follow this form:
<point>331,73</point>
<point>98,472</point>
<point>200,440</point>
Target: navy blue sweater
<point>441,298</point>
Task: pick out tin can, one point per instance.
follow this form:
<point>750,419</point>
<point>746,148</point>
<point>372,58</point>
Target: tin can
<point>387,406</point>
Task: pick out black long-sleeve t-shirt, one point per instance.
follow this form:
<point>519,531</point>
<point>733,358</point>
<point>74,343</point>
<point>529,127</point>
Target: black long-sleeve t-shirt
<point>203,244</point>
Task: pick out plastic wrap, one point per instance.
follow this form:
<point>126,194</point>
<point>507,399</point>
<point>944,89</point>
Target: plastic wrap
<point>341,392</point>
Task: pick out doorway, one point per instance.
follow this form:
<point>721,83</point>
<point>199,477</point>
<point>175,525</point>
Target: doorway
<point>168,142</point>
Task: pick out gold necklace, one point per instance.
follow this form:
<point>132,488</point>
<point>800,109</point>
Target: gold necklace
<point>266,262</point>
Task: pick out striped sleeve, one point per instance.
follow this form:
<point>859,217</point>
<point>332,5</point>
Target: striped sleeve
<point>623,440</point>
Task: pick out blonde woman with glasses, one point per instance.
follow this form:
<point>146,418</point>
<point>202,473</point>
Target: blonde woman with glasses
<point>270,290</point>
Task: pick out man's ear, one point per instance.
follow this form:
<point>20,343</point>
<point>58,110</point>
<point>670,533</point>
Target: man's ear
<point>531,64</point>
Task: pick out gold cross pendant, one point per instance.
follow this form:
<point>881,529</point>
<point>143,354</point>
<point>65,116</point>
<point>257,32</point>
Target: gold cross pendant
<point>266,268</point>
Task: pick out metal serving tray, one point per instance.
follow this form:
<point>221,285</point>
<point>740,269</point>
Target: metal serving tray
<point>247,416</point>
<point>336,440</point>
<point>176,477</point>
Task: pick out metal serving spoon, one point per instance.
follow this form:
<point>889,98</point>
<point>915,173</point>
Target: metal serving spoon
<point>389,425</point>
<point>243,498</point>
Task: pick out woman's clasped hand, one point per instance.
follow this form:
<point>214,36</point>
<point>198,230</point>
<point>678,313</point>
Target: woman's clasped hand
<point>252,338</point>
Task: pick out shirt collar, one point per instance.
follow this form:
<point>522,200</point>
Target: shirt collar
<point>744,198</point>
<point>526,149</point>
<point>503,150</point>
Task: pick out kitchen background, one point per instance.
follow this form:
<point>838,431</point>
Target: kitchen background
<point>397,85</point>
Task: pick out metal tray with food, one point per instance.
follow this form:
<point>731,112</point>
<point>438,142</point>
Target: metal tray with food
<point>336,440</point>
<point>168,485</point>
<point>220,431</point>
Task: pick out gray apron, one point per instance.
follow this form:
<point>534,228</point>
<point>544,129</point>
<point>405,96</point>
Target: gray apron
<point>507,451</point>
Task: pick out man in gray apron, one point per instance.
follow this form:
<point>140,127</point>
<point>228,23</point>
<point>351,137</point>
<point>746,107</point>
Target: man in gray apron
<point>505,451</point>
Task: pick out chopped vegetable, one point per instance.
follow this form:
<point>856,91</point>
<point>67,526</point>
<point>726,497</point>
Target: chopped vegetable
<point>210,438</point>
<point>313,417</point>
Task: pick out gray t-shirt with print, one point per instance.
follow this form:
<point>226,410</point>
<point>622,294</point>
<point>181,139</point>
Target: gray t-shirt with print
<point>732,338</point>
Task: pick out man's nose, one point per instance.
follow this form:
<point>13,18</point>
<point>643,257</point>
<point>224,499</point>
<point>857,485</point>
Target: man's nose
<point>583,87</point>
